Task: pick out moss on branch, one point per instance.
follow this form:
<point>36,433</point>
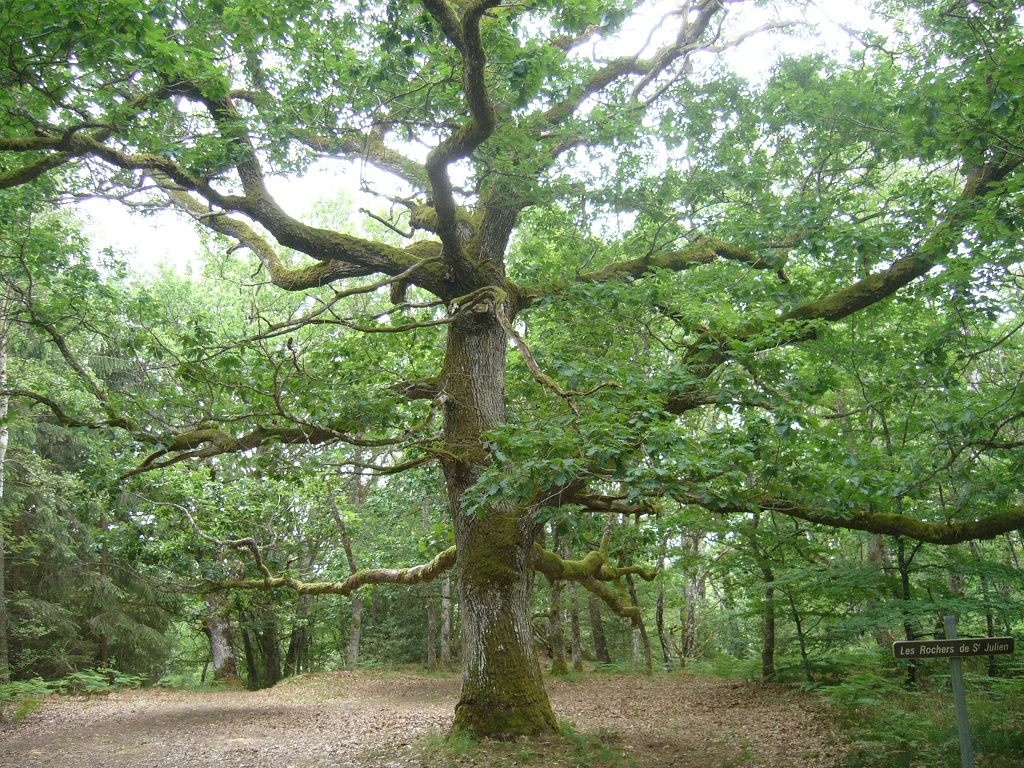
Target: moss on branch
<point>419,574</point>
<point>594,573</point>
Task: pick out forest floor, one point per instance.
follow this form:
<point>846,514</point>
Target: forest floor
<point>396,720</point>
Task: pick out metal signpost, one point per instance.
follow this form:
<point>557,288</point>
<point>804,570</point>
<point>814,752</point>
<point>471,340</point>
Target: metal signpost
<point>955,648</point>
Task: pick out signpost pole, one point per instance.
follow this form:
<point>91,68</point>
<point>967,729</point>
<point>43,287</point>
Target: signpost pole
<point>959,699</point>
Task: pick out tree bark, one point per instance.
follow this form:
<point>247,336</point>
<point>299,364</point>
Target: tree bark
<point>693,595</point>
<point>299,640</point>
<point>659,608</point>
<point>217,628</point>
<point>641,630</point>
<point>5,667</point>
<point>597,630</point>
<point>556,638</point>
<point>446,622</point>
<point>356,622</point>
<point>502,688</point>
<point>768,623</point>
<point>575,631</point>
<point>431,609</point>
<point>879,556</point>
<point>903,561</point>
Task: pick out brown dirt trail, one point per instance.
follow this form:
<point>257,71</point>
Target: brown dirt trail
<point>373,720</point>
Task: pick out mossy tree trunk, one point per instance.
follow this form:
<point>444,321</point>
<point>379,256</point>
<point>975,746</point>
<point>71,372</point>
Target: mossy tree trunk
<point>502,688</point>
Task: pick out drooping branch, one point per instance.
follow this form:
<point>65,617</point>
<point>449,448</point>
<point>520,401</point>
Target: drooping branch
<point>209,442</point>
<point>313,276</point>
<point>419,574</point>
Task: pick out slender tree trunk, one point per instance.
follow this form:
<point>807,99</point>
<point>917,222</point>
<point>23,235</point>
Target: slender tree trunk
<point>299,640</point>
<point>693,597</point>
<point>556,638</point>
<point>446,622</point>
<point>104,658</point>
<point>903,562</point>
<point>575,632</point>
<point>597,630</point>
<point>251,668</point>
<point>431,609</point>
<point>990,619</point>
<point>880,557</point>
<point>502,688</point>
<point>659,607</point>
<point>356,622</point>
<point>217,627</point>
<point>768,623</point>
<point>641,630</point>
<point>804,656</point>
<point>270,651</point>
<point>355,627</point>
<point>5,666</point>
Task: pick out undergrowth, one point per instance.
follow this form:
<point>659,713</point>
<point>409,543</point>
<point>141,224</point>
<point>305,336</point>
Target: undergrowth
<point>20,697</point>
<point>891,725</point>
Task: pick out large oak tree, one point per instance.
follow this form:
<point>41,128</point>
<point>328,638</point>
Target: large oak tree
<point>586,184</point>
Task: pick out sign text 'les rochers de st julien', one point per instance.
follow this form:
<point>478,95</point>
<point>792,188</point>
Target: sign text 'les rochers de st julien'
<point>948,649</point>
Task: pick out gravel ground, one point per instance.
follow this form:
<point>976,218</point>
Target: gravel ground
<point>376,719</point>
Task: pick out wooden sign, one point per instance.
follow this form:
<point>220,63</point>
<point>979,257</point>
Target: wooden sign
<point>951,649</point>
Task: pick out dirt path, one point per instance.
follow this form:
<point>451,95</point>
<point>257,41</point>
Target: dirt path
<point>373,720</point>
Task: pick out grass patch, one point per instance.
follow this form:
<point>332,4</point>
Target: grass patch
<point>568,749</point>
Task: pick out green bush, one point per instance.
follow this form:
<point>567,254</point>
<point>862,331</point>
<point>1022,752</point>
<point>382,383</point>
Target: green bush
<point>20,697</point>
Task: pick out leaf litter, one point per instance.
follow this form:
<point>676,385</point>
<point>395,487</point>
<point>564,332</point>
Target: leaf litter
<point>375,719</point>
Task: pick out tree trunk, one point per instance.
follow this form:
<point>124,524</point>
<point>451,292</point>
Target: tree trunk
<point>5,667</point>
<point>356,624</point>
<point>299,640</point>
<point>446,622</point>
<point>428,599</point>
<point>879,556</point>
<point>502,688</point>
<point>355,629</point>
<point>659,608</point>
<point>802,639</point>
<point>768,622</point>
<point>559,665</point>
<point>903,562</point>
<point>575,631</point>
<point>270,651</point>
<point>218,630</point>
<point>251,669</point>
<point>556,638</point>
<point>641,630</point>
<point>597,630</point>
<point>104,657</point>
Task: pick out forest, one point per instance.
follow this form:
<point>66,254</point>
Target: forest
<point>647,338</point>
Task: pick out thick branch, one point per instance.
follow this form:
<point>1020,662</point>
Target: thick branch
<point>463,142</point>
<point>419,574</point>
<point>987,527</point>
<point>703,251</point>
<point>593,572</point>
